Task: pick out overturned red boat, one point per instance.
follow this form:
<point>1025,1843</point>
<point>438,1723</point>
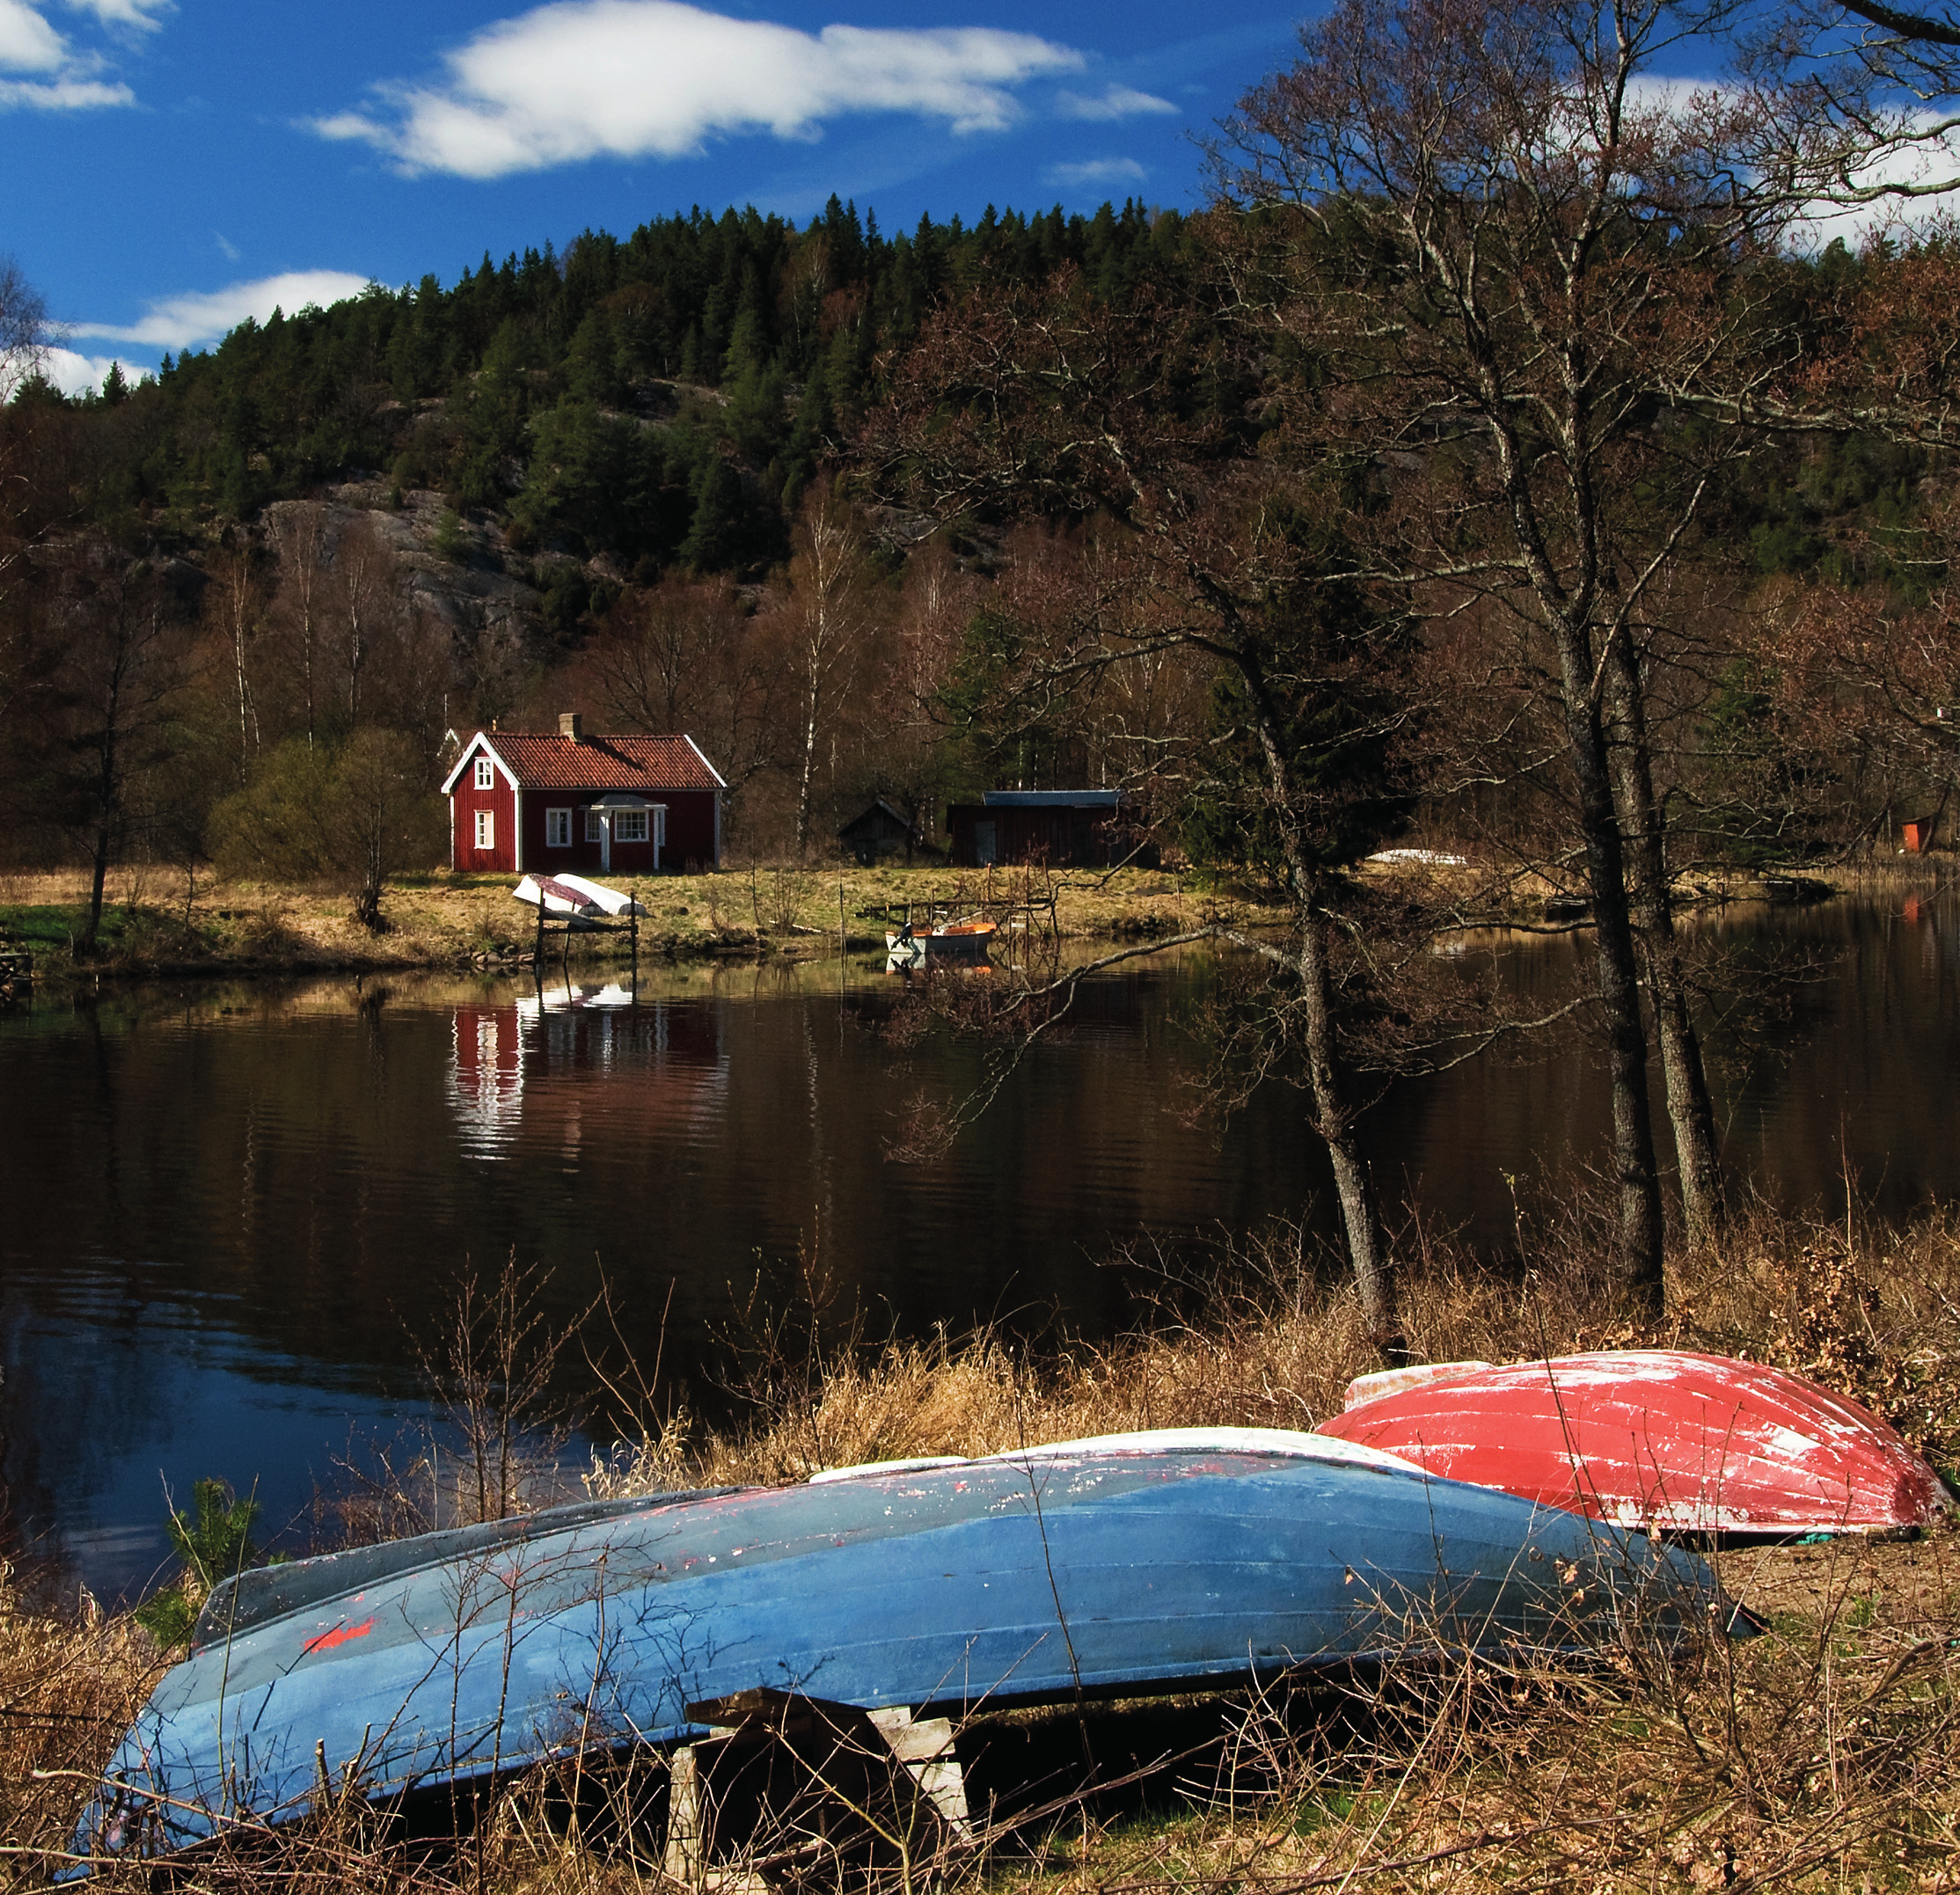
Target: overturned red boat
<point>1653,1438</point>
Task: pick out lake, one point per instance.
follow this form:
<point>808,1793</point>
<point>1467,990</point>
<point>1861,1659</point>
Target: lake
<point>235,1216</point>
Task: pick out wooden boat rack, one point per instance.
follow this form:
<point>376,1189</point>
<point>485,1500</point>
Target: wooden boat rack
<point>17,975</point>
<point>785,1784</point>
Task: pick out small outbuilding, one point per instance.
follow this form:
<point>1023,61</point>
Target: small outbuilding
<point>529,803</point>
<point>1063,829</point>
<point>880,832</point>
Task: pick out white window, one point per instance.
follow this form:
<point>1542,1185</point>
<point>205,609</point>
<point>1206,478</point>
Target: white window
<point>629,825</point>
<point>595,826</point>
<point>486,773</point>
<point>558,829</point>
<point>486,829</point>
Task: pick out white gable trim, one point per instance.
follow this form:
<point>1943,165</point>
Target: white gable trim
<point>721,782</point>
<point>479,742</point>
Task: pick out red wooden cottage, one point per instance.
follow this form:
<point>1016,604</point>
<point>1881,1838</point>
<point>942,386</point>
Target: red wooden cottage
<point>524,803</point>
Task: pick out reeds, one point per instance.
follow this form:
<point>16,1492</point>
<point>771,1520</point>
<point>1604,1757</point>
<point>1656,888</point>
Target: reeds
<point>1259,1332</point>
<point>1822,1754</point>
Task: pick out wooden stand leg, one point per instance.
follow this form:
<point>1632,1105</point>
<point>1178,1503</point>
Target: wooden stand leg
<point>682,1862</point>
<point>926,1748</point>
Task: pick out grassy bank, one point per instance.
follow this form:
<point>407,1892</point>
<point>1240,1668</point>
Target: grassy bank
<point>159,923</point>
<point>171,925</point>
<point>1820,1756</point>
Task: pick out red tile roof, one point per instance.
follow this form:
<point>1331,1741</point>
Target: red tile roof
<point>540,761</point>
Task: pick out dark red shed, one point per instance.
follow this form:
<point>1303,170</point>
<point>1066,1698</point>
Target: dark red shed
<point>527,803</point>
<point>1065,829</point>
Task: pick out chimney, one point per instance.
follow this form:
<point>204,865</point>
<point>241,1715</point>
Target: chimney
<point>570,724</point>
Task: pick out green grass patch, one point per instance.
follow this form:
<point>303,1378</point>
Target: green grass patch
<point>56,928</point>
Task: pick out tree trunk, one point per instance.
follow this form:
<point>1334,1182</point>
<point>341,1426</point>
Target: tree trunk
<point>108,790</point>
<point>1633,1135</point>
<point>804,775</point>
<point>1690,1108</point>
<point>1336,1120</point>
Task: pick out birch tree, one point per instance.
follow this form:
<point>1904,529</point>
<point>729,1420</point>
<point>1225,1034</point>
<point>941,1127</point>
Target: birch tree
<point>826,617</point>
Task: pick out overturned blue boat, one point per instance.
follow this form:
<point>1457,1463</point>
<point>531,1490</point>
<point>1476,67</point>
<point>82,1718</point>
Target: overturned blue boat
<point>1121,1564</point>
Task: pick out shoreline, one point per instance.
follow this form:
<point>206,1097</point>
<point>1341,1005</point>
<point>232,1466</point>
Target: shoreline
<point>443,922</point>
<point>1716,1766</point>
<point>446,922</point>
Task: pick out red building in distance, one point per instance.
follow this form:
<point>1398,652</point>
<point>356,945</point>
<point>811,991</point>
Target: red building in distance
<point>528,803</point>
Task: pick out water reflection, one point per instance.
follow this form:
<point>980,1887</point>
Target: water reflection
<point>233,1218</point>
<point>545,1060</point>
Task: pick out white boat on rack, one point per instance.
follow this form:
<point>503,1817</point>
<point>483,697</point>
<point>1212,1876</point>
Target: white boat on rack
<point>574,898</point>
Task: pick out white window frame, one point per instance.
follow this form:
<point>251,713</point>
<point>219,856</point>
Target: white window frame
<point>486,829</point>
<point>625,822</point>
<point>558,829</point>
<point>594,823</point>
<point>486,773</point>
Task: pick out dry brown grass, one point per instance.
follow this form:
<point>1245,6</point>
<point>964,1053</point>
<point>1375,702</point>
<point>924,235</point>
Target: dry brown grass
<point>1255,1333</point>
<point>67,1681</point>
<point>1820,1756</point>
<point>443,919</point>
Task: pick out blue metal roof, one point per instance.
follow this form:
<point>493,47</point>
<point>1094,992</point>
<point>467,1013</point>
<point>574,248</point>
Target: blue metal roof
<point>1081,798</point>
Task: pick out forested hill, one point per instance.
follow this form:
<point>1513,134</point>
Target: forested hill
<point>590,478</point>
<point>529,386</point>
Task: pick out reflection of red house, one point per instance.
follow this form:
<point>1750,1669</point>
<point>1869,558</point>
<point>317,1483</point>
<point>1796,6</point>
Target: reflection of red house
<point>487,1072</point>
<point>546,1069</point>
<point>528,803</point>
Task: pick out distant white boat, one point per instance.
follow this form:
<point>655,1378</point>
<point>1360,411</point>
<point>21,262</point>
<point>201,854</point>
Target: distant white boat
<point>963,942</point>
<point>575,897</point>
<point>1430,858</point>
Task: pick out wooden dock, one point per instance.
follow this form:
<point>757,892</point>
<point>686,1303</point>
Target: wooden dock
<point>17,975</point>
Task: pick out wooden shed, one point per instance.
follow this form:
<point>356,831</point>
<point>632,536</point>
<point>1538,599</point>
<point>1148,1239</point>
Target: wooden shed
<point>877,832</point>
<point>1063,829</point>
<point>524,803</point>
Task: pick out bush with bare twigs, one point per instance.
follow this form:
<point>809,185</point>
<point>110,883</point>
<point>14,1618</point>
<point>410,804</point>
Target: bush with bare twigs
<point>1819,1754</point>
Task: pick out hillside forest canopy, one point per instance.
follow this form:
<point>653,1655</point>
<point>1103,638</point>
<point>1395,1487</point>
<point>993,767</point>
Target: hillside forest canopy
<point>1506,461</point>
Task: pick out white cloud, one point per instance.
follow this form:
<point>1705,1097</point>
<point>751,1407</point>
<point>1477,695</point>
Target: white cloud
<point>176,322</point>
<point>64,95</point>
<point>634,78</point>
<point>1926,163</point>
<point>67,79</point>
<point>82,375</point>
<point>1113,102</point>
<point>27,42</point>
<point>1099,173</point>
<point>138,13</point>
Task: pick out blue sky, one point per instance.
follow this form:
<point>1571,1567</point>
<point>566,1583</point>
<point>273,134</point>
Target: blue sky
<point>172,165</point>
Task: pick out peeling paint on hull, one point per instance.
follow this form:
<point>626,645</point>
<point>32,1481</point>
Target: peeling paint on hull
<point>1109,1566</point>
<point>1658,1438</point>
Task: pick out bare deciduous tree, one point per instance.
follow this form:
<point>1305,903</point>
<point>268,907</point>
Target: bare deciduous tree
<point>1526,263</point>
<point>234,609</point>
<point>124,664</point>
<point>298,532</point>
<point>367,605</point>
<point>1044,399</point>
<point>825,619</point>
